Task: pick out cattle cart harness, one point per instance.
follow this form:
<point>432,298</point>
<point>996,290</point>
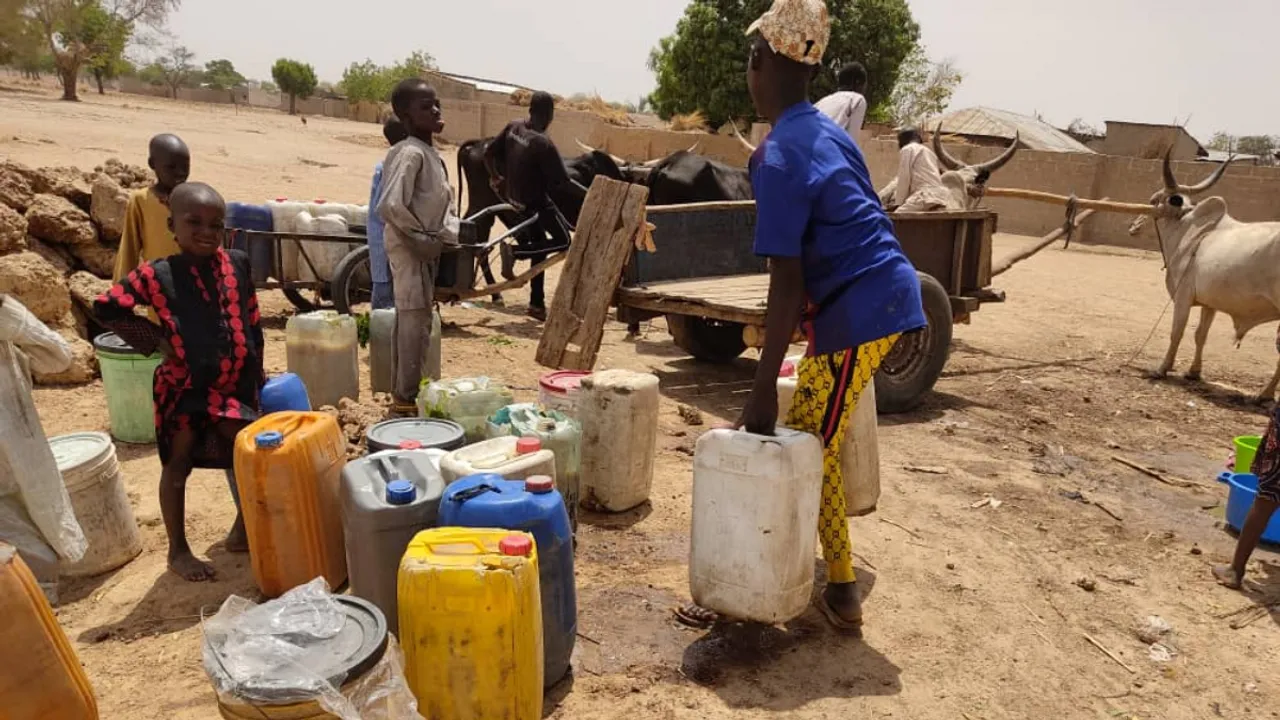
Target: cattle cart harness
<point>708,282</point>
<point>350,284</point>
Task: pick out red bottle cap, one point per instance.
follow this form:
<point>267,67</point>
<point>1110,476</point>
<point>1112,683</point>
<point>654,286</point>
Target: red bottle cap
<point>787,370</point>
<point>320,201</point>
<point>527,445</point>
<point>515,546</point>
<point>539,484</point>
<point>410,445</point>
<point>281,199</point>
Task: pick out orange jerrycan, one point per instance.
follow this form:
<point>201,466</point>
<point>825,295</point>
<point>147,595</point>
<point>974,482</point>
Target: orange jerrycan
<point>471,624</point>
<point>288,471</point>
<point>42,677</point>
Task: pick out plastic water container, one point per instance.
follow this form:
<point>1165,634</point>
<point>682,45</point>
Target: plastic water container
<point>414,434</point>
<point>284,213</point>
<point>91,473</point>
<point>382,329</point>
<point>860,452</point>
<point>288,471</point>
<point>261,251</point>
<point>1243,490</point>
<point>559,390</point>
<point>323,349</point>
<point>42,676</point>
<point>387,499</point>
<point>512,458</point>
<point>618,410</point>
<point>471,624</point>
<point>559,433</point>
<point>467,401</point>
<point>533,506</point>
<point>128,378</point>
<point>317,219</point>
<point>285,392</point>
<point>755,522</point>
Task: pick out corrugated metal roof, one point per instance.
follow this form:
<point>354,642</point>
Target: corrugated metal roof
<point>481,84</point>
<point>990,122</point>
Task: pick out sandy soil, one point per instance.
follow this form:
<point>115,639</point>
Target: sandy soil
<point>972,612</point>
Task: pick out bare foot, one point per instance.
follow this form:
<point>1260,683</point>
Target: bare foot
<point>190,568</point>
<point>237,540</point>
<point>1227,577</point>
<point>842,606</point>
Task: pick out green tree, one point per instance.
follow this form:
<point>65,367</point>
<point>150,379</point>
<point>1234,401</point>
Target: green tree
<point>176,68</point>
<point>268,86</point>
<point>1222,142</point>
<point>222,75</point>
<point>105,35</point>
<point>63,26</point>
<point>1260,145</point>
<point>923,90</point>
<point>369,82</point>
<point>418,62</point>
<point>702,66</point>
<point>298,79</point>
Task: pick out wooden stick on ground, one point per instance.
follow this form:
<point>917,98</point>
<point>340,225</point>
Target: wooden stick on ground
<point>1106,510</point>
<point>1152,472</point>
<point>901,527</point>
<point>1109,654</point>
<point>1044,242</point>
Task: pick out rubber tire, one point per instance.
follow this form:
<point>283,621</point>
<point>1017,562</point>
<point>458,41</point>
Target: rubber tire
<point>915,364</point>
<point>710,341</point>
<point>342,277</point>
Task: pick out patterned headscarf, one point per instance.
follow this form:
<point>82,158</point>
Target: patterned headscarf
<point>797,29</point>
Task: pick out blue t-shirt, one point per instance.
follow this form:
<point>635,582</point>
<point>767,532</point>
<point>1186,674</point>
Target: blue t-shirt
<point>379,265</point>
<point>814,201</point>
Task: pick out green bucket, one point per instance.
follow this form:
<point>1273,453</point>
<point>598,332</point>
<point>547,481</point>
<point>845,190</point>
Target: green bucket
<point>1246,449</point>
<point>128,377</point>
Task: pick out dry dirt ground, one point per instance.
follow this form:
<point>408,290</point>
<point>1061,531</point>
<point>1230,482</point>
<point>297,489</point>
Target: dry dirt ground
<point>973,612</point>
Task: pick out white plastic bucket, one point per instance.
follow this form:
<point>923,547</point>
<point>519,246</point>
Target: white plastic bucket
<point>89,469</point>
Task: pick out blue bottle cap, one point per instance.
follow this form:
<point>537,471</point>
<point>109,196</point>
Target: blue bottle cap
<point>401,492</point>
<point>269,439</point>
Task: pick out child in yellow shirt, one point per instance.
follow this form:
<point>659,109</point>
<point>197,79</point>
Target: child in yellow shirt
<point>147,236</point>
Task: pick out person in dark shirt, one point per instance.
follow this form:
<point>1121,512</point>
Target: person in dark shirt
<point>526,169</point>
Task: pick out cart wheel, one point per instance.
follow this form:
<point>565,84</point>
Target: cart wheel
<point>708,340</point>
<point>298,300</point>
<point>352,282</point>
<point>916,361</point>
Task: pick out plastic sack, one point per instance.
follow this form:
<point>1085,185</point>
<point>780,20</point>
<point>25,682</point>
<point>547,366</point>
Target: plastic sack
<point>28,472</point>
<point>559,433</point>
<point>466,401</point>
<point>261,655</point>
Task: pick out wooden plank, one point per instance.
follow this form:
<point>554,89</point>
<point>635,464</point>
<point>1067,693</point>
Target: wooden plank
<point>1082,203</point>
<point>1044,242</point>
<point>612,217</point>
<point>957,257</point>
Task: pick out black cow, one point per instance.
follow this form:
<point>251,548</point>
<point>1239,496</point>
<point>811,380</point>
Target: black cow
<point>684,177</point>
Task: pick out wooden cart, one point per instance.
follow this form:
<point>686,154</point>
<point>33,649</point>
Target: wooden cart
<point>711,287</point>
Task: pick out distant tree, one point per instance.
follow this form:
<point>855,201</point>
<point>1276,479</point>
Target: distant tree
<point>924,89</point>
<point>1260,145</point>
<point>369,82</point>
<point>222,75</point>
<point>298,79</point>
<point>152,74</point>
<point>106,36</point>
<point>268,86</point>
<point>66,24</point>
<point>702,66</point>
<point>176,68</point>
<point>1222,142</point>
<point>1079,128</point>
<point>418,62</point>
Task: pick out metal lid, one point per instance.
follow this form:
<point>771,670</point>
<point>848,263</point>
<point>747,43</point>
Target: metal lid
<point>563,381</point>
<point>111,342</point>
<point>528,445</point>
<point>269,439</point>
<point>401,492</point>
<point>426,432</point>
<point>539,484</point>
<point>71,451</point>
<point>516,545</point>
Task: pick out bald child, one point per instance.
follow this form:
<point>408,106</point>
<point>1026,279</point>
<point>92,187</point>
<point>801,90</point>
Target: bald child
<point>146,233</point>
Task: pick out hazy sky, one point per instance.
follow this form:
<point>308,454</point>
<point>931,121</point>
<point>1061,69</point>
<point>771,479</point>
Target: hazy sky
<point>1140,60</point>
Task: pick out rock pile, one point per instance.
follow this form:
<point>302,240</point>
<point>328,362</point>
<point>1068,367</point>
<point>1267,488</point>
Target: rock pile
<point>59,230</point>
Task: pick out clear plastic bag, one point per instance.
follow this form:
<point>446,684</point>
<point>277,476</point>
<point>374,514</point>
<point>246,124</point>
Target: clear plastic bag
<point>466,401</point>
<point>267,655</point>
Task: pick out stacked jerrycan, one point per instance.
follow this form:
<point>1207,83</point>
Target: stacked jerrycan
<point>558,433</point>
<point>322,349</point>
<point>288,472</point>
<point>470,624</point>
<point>382,329</point>
<point>533,506</point>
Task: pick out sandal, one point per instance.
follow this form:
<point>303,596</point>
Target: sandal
<point>695,617</point>
<point>833,617</point>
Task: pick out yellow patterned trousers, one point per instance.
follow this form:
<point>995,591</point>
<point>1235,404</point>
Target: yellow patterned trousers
<point>827,393</point>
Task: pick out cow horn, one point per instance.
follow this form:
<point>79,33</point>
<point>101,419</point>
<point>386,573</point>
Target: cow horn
<point>750,148</point>
<point>1170,182</point>
<point>998,162</point>
<point>693,149</point>
<point>1211,180</point>
<point>588,149</point>
<point>941,152</point>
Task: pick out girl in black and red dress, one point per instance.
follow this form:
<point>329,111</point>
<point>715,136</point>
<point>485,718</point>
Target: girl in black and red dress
<point>208,386</point>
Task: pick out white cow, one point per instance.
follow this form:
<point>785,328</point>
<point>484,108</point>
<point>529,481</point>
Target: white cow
<point>1216,263</point>
<point>962,185</point>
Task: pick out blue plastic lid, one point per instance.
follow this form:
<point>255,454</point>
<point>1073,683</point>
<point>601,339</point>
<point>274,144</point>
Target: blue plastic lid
<point>269,439</point>
<point>401,492</point>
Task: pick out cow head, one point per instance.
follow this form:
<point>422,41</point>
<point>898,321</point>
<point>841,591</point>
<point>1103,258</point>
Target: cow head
<point>1173,200</point>
<point>968,181</point>
<point>634,173</point>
